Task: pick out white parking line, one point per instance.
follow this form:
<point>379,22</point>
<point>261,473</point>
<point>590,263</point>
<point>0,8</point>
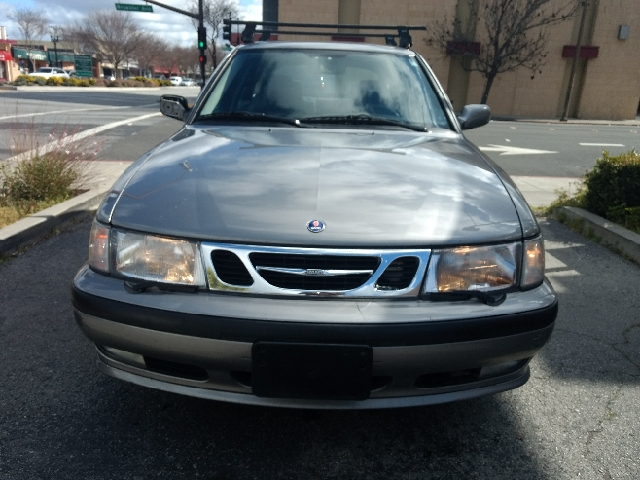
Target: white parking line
<point>59,111</point>
<point>602,144</point>
<point>78,136</point>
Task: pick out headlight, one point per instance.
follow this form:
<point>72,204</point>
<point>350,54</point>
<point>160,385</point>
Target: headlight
<point>145,257</point>
<point>485,269</point>
<point>157,259</point>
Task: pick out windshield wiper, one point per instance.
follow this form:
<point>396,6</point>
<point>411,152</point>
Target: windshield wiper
<point>250,116</point>
<point>362,120</point>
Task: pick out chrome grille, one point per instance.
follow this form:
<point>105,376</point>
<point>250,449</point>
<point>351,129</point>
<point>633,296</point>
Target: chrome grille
<point>314,271</point>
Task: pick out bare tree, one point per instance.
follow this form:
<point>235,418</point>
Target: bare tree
<point>114,36</point>
<point>32,25</point>
<point>149,51</point>
<point>512,33</point>
<point>214,12</point>
<point>188,60</point>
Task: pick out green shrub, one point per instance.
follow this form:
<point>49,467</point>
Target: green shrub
<point>40,81</point>
<point>25,79</point>
<point>40,178</point>
<point>613,184</point>
<point>56,81</point>
<point>37,175</point>
<point>611,190</point>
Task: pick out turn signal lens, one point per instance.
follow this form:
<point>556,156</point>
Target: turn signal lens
<point>533,263</point>
<point>99,247</point>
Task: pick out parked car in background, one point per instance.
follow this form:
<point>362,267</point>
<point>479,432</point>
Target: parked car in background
<point>71,73</point>
<point>108,77</point>
<point>319,234</point>
<point>48,72</point>
<point>187,82</point>
<point>175,81</point>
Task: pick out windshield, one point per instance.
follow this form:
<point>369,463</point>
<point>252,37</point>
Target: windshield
<point>326,86</point>
<point>44,70</point>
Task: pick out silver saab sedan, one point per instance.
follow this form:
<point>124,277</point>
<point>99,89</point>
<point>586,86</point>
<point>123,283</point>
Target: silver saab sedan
<point>319,234</point>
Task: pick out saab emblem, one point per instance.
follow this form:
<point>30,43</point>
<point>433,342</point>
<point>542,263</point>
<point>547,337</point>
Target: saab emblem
<point>315,226</point>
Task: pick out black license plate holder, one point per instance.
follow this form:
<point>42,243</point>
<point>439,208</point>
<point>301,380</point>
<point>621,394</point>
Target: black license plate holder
<point>311,371</point>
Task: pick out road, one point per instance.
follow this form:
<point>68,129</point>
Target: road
<point>60,418</point>
<point>576,417</point>
<point>574,148</point>
<point>555,149</point>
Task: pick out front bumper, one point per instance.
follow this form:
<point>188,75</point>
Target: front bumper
<point>423,352</point>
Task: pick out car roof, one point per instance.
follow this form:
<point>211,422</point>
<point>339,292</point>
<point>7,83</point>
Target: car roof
<point>337,46</point>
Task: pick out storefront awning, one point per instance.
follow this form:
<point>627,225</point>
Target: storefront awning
<point>32,54</point>
<point>5,56</point>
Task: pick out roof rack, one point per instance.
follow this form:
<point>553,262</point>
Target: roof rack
<point>249,31</point>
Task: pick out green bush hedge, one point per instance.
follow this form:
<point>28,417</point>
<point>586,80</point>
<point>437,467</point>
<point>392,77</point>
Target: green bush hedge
<point>54,81</point>
<point>611,190</point>
<point>613,182</point>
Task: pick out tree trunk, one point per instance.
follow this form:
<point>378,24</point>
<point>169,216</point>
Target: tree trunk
<point>487,88</point>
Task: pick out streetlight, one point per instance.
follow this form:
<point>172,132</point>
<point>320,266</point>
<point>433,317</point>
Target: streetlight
<point>55,39</point>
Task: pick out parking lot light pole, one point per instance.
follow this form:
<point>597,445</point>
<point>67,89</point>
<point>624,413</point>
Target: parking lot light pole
<point>54,39</point>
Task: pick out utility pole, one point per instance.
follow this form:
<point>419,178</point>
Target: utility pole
<point>574,64</point>
<point>201,30</point>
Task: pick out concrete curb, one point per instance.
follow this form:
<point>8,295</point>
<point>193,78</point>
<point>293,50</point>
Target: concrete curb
<point>33,228</point>
<point>572,121</point>
<point>614,236</point>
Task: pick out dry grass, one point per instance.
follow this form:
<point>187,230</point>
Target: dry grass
<point>40,174</point>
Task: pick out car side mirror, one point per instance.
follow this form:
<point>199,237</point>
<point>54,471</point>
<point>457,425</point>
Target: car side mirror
<point>174,106</point>
<point>474,116</point>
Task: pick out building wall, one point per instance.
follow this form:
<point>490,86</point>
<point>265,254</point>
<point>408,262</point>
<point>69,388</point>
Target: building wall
<point>607,87</point>
<point>612,84</point>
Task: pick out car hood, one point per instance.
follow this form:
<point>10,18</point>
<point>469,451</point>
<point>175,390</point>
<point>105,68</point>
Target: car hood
<point>371,188</point>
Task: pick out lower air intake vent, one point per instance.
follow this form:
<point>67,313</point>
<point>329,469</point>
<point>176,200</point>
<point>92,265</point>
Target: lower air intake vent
<point>399,274</point>
<point>230,268</point>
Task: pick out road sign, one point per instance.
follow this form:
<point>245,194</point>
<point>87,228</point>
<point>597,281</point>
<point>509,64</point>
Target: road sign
<point>128,7</point>
<point>84,66</point>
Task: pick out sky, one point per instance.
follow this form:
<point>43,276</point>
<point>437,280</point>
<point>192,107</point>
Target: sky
<point>172,26</point>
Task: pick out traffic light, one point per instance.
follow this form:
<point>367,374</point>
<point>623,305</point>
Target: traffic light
<point>202,59</point>
<point>226,29</point>
<point>202,38</point>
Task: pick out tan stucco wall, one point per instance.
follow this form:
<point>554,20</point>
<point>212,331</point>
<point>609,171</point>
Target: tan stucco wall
<point>611,87</point>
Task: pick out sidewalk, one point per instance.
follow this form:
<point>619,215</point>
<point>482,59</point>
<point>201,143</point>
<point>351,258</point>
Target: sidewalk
<point>571,121</point>
<point>541,191</point>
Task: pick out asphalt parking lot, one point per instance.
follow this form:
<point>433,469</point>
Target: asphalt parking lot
<point>577,417</point>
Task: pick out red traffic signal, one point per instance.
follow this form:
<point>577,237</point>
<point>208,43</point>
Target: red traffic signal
<point>202,59</point>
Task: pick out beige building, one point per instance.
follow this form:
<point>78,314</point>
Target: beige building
<point>607,78</point>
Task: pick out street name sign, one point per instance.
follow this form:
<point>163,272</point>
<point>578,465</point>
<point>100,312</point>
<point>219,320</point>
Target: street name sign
<point>128,7</point>
<point>84,66</point>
